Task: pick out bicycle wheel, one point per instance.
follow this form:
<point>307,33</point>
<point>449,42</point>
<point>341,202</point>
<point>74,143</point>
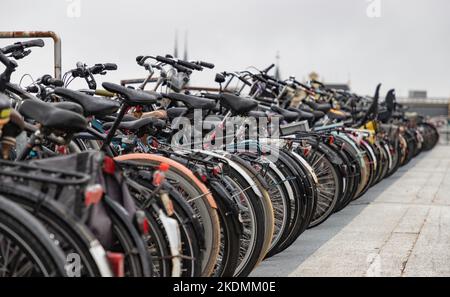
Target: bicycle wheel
<point>369,168</point>
<point>128,241</point>
<point>25,246</point>
<point>261,185</point>
<point>165,259</point>
<point>72,236</point>
<point>158,247</point>
<point>355,168</point>
<point>230,230</point>
<point>278,194</point>
<point>253,221</point>
<point>296,180</point>
<point>192,239</point>
<point>328,187</point>
<point>199,198</point>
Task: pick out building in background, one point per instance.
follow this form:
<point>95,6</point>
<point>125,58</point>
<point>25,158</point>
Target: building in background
<point>414,94</point>
<point>338,86</point>
<point>345,87</point>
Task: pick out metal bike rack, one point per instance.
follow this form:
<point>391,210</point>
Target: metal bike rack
<point>40,34</point>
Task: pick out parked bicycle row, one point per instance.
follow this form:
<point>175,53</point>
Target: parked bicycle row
<point>158,178</point>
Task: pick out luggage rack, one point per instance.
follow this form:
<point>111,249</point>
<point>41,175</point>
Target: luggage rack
<point>24,171</point>
<point>46,182</point>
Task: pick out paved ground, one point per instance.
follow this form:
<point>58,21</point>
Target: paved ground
<point>401,227</point>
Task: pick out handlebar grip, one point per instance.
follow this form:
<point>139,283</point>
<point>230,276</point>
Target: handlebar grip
<point>165,60</point>
<point>58,83</point>
<point>190,65</point>
<point>48,80</point>
<point>206,64</point>
<point>22,45</point>
<point>110,66</point>
<point>33,43</point>
<point>268,68</point>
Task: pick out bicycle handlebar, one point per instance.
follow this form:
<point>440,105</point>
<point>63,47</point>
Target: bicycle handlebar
<point>180,65</point>
<point>268,68</point>
<point>99,68</point>
<point>110,66</point>
<point>205,64</point>
<point>165,60</point>
<point>48,80</point>
<point>190,65</point>
<point>83,71</point>
<point>22,45</point>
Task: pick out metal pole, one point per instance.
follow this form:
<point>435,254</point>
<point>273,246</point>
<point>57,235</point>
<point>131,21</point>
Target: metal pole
<point>41,34</point>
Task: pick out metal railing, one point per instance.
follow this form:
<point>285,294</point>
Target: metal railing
<point>41,34</point>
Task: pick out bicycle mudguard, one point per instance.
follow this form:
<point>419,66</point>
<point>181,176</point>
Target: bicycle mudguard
<point>160,159</point>
<point>309,177</point>
<point>115,209</point>
<point>173,236</point>
<point>227,201</point>
<point>305,166</point>
<point>272,164</point>
<point>332,155</point>
<point>229,210</point>
<point>389,154</point>
<point>370,150</point>
<point>226,156</point>
<point>280,175</point>
<point>188,210</point>
<point>250,169</point>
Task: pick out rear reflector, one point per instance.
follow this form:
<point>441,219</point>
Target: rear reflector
<point>116,260</point>
<point>142,222</point>
<point>93,194</point>
<point>109,167</point>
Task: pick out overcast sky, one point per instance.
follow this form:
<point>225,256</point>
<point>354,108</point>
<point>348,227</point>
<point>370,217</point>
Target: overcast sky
<point>407,47</point>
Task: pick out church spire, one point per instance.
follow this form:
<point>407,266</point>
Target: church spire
<point>277,68</point>
<point>185,55</point>
<point>175,49</point>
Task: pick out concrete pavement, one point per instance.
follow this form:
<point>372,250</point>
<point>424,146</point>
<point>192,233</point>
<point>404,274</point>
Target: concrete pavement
<point>401,227</point>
